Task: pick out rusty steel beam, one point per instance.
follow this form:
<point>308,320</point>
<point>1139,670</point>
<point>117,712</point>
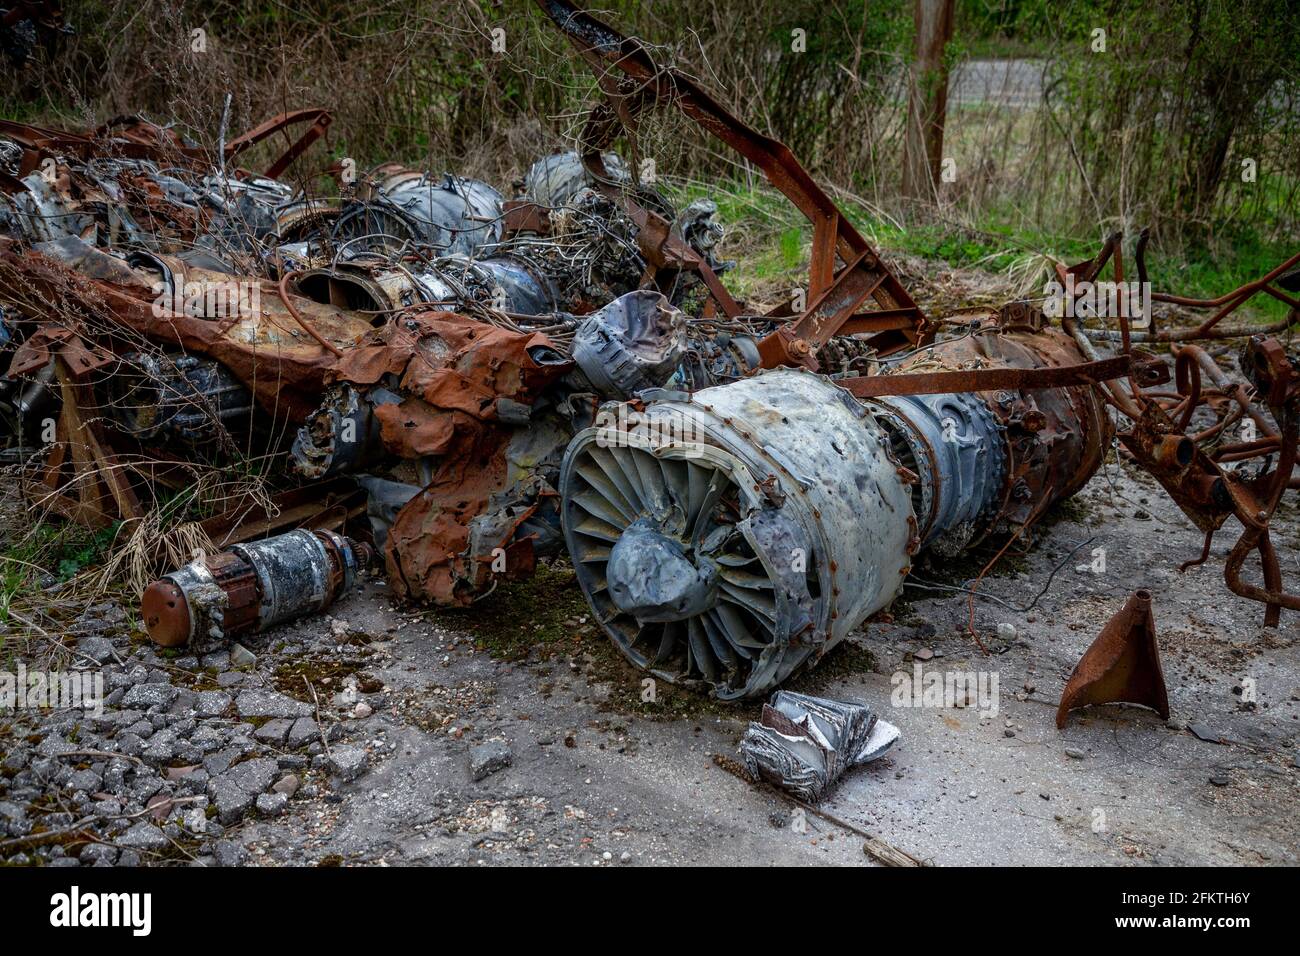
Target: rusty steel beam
<point>835,296</point>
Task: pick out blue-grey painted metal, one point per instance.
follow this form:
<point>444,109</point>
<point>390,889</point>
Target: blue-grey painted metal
<point>956,447</point>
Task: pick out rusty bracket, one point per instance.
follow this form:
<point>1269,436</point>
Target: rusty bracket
<point>1121,666</point>
<point>320,121</point>
<point>835,298</point>
<point>522,215</point>
<point>991,379</point>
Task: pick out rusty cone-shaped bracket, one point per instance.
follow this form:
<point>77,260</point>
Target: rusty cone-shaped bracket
<point>1122,665</point>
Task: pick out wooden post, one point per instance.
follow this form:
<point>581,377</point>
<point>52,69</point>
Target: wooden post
<point>927,99</point>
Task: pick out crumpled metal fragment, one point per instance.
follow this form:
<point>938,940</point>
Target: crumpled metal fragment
<point>804,744</point>
<point>554,180</point>
<point>454,398</point>
<point>634,343</point>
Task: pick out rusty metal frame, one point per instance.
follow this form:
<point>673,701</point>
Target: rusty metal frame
<point>1190,465</point>
<point>320,120</point>
<point>835,297</point>
<point>159,144</point>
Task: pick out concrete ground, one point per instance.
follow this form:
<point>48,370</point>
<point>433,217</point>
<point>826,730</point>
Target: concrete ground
<point>599,777</point>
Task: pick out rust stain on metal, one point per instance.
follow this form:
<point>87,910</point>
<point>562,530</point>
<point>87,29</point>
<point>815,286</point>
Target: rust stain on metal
<point>1121,666</point>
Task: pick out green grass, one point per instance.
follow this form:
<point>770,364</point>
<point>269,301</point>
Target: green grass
<point>55,549</point>
<point>771,241</point>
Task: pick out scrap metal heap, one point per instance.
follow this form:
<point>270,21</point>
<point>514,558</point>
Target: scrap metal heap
<point>416,336</point>
<point>463,384</point>
<point>728,536</point>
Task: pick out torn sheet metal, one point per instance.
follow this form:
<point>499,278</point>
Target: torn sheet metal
<point>454,400</point>
<point>804,744</point>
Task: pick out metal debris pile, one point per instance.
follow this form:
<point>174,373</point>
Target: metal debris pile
<point>462,384</point>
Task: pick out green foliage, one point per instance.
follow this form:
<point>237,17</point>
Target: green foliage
<point>791,247</point>
<point>49,551</point>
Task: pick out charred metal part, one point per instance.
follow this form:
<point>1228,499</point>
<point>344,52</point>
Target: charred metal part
<point>766,520</point>
<point>588,258</point>
<point>176,396</point>
<point>467,414</point>
<point>1204,474</point>
<point>452,215</point>
<point>347,286</point>
<point>131,184</point>
<point>488,510</point>
<point>1121,666</point>
<point>634,343</point>
<point>956,447</point>
<point>251,587</point>
<point>343,435</point>
<point>804,744</point>
<point>715,357</point>
<point>555,180</point>
<point>11,154</point>
<point>505,281</point>
<point>384,501</point>
<point>241,340</point>
<point>696,227</point>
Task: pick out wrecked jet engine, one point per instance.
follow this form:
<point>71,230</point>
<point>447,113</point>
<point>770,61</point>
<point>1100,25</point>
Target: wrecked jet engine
<point>728,537</point>
<point>709,545</point>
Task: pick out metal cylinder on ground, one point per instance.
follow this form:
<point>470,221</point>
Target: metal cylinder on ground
<point>251,586</point>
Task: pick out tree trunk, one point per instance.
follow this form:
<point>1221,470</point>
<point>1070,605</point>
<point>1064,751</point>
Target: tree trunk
<point>927,99</point>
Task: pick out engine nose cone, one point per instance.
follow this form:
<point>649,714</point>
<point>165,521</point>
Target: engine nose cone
<point>651,577</point>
